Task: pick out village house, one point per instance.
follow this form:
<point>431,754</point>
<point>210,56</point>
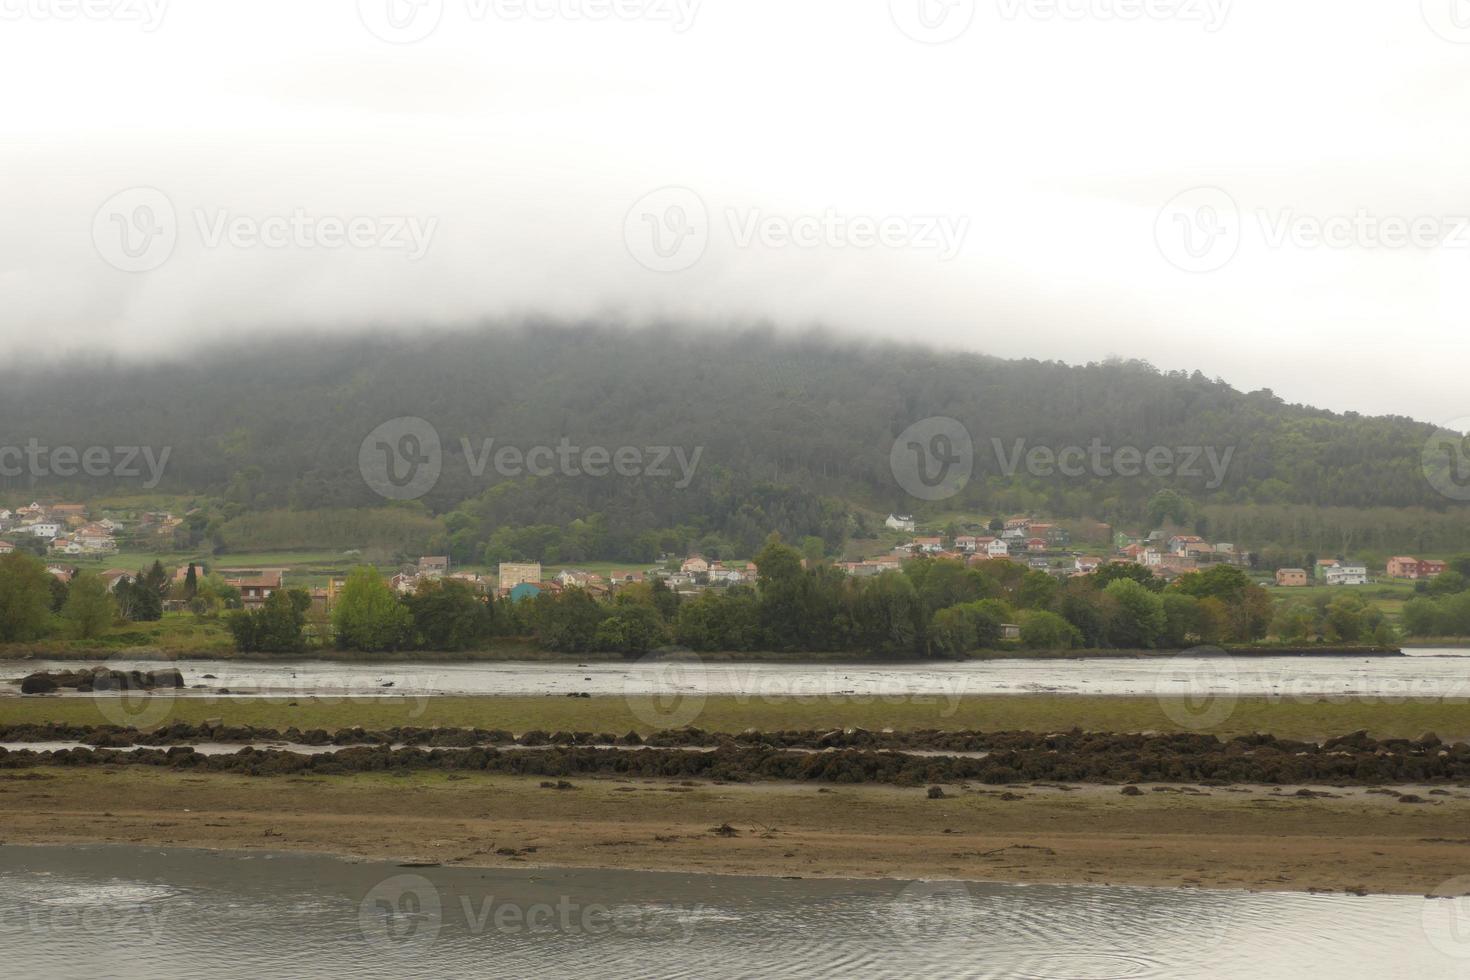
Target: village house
<point>624,577</point>
<point>967,542</point>
<point>471,579</point>
<point>1291,577</point>
<point>6,548</point>
<point>1347,573</point>
<point>433,567</point>
<point>512,574</point>
<point>694,565</point>
<point>1413,568</point>
<point>525,590</point>
<point>929,545</point>
<point>322,600</point>
<point>575,577</point>
<point>44,529</point>
<point>115,577</point>
<point>720,574</point>
<point>900,522</point>
<point>256,586</point>
<point>95,538</point>
<point>996,548</point>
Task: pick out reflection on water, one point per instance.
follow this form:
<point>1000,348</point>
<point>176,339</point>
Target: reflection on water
<point>1426,674</point>
<point>86,912</point>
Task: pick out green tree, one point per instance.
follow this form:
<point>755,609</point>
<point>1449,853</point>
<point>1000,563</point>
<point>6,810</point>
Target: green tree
<point>1181,620</point>
<point>1041,630</point>
<point>276,627</point>
<point>959,629</point>
<point>1138,617</point>
<point>1114,571</point>
<point>1038,591</point>
<point>713,621</point>
<point>569,621</point>
<point>632,630</point>
<point>1295,622</point>
<point>369,616</point>
<point>1168,505</point>
<point>1421,617</point>
<point>449,615</point>
<point>89,608</point>
<point>25,598</point>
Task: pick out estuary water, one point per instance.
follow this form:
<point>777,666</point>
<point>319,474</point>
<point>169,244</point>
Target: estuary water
<point>1424,674</point>
<point>143,913</point>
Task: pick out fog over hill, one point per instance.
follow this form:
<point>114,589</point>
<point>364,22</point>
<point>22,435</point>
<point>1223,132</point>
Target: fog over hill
<point>284,424</point>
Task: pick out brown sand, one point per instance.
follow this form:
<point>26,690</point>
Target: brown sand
<point>1256,838</point>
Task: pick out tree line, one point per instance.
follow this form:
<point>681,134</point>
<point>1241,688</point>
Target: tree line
<point>932,607</point>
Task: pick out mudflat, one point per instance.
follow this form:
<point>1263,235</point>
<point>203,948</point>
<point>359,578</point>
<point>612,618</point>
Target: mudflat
<point>1242,837</point>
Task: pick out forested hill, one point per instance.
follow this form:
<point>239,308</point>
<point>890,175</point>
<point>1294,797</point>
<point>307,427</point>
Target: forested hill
<point>281,424</point>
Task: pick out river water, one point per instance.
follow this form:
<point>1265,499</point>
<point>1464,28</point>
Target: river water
<point>1425,674</point>
<point>146,913</point>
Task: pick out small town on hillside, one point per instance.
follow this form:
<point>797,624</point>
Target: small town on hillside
<point>67,530</point>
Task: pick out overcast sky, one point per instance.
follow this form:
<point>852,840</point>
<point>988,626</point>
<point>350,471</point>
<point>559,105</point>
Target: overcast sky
<point>1065,179</point>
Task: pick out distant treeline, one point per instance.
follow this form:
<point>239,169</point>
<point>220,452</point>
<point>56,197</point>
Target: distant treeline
<point>930,608</point>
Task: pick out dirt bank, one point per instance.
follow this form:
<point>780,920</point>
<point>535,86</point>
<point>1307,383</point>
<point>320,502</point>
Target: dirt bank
<point>1244,837</point>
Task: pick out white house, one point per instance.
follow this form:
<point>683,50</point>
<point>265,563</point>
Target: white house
<point>45,530</point>
<point>694,565</point>
<point>899,522</point>
<point>998,549</point>
<point>6,547</point>
<point>1347,574</point>
<point>966,542</point>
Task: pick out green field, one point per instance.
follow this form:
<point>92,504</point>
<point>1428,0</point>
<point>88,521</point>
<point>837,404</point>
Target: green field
<point>176,634</point>
<point>1300,718</point>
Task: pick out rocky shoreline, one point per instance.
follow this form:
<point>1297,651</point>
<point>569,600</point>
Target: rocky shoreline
<point>91,679</point>
<point>851,756</point>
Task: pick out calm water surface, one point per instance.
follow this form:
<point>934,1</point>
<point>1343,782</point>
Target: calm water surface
<point>145,913</point>
<point>1423,674</point>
